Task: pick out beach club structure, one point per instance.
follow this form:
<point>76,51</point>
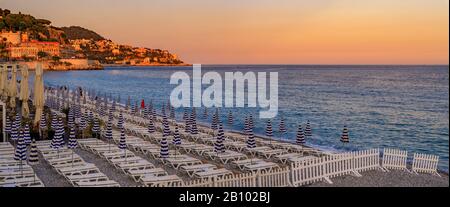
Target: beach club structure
<point>156,150</point>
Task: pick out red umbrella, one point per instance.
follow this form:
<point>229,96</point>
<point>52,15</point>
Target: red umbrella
<point>142,104</point>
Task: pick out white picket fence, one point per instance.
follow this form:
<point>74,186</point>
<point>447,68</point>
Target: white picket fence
<point>324,168</point>
<point>425,163</point>
<point>275,178</point>
<point>394,159</point>
<point>365,160</point>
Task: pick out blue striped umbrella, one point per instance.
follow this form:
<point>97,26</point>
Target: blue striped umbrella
<point>193,122</point>
<point>146,111</point>
<point>151,126</point>
<point>245,130</point>
<point>205,113</point>
<point>230,118</point>
<point>344,136</point>
<point>185,114</point>
<point>300,140</point>
<point>308,131</point>
<point>15,128</point>
<point>172,112</point>
<point>154,114</point>
<point>33,158</point>
<point>43,122</point>
<point>166,128</point>
<point>251,143</point>
<point>20,153</point>
<point>164,151</point>
<point>269,132</point>
<point>96,127</point>
<point>214,121</point>
<point>73,143</point>
<point>108,133</point>
<point>83,124</point>
<point>26,135</point>
<point>91,117</point>
<point>61,133</point>
<point>8,126</point>
<point>187,124</point>
<point>54,122</point>
<point>218,145</point>
<point>120,121</point>
<point>250,121</point>
<point>70,117</point>
<point>282,127</point>
<point>176,138</point>
<point>123,142</point>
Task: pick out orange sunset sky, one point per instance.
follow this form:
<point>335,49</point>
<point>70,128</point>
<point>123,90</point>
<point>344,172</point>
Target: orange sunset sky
<point>262,31</point>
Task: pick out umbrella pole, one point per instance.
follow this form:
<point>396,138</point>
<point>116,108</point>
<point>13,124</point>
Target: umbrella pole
<point>72,157</point>
<point>21,169</point>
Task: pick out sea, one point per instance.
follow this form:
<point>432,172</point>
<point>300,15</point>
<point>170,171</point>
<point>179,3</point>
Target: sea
<point>383,106</point>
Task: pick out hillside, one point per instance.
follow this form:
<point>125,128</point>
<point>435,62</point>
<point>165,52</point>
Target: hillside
<point>77,32</point>
<point>75,42</point>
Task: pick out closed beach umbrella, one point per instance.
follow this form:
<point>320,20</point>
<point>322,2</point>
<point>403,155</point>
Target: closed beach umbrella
<point>13,88</point>
<point>24,91</point>
<point>185,114</point>
<point>251,143</point>
<point>15,128</point>
<point>54,122</point>
<point>269,132</point>
<point>123,142</point>
<point>193,122</point>
<point>26,135</point>
<point>43,122</point>
<point>108,133</point>
<point>308,131</point>
<point>142,104</point>
<point>300,140</point>
<point>21,151</point>
<point>151,127</point>
<point>250,121</point>
<point>120,121</point>
<point>172,113</point>
<point>166,128</point>
<point>8,126</point>
<point>245,125</point>
<point>70,117</point>
<point>344,136</point>
<point>230,118</point>
<point>91,116</point>
<point>73,143</point>
<point>38,93</point>
<point>218,145</point>
<point>205,113</point>
<point>282,126</point>
<point>33,158</point>
<point>176,138</point>
<point>214,122</point>
<point>96,127</point>
<point>164,151</point>
<point>187,124</point>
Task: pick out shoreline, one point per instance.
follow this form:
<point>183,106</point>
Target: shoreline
<point>147,65</point>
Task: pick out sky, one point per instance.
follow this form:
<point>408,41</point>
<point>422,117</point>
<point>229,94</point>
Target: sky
<point>264,31</point>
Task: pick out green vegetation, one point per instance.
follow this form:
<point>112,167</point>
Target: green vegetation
<point>76,32</point>
<point>37,28</point>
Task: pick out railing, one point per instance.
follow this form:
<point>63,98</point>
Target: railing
<point>425,163</point>
<point>394,159</point>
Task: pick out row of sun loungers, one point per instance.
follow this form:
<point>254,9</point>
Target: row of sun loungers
<point>139,169</point>
<point>13,173</point>
<point>73,168</point>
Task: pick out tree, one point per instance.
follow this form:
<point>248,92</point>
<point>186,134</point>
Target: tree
<point>42,54</point>
<point>56,58</point>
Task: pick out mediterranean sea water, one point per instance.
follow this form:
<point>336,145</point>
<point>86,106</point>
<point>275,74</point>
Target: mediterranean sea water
<point>404,107</point>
